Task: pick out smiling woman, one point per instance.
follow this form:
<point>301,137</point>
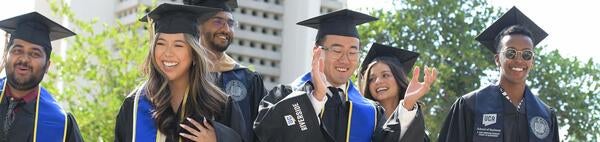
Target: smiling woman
<point>384,79</point>
<point>178,102</point>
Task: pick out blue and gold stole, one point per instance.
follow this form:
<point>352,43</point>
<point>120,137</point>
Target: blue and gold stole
<point>50,122</point>
<point>361,112</point>
<point>144,129</point>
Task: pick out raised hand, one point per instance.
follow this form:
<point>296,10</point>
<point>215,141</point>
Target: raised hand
<point>318,79</point>
<point>202,133</point>
<point>416,89</point>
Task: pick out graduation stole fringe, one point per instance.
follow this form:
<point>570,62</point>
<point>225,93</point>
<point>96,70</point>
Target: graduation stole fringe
<point>362,116</point>
<point>50,122</point>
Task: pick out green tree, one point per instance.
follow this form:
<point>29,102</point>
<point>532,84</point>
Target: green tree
<point>444,32</point>
<point>99,69</point>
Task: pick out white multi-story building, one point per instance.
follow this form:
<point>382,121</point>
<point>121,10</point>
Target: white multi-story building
<point>267,39</point>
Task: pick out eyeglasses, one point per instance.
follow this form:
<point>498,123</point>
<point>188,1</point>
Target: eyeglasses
<point>338,53</point>
<point>512,53</point>
<point>220,22</point>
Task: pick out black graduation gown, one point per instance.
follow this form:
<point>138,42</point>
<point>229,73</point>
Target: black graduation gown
<point>247,89</point>
<point>459,124</point>
<point>22,129</point>
<point>228,126</point>
<point>289,116</point>
<point>415,132</point>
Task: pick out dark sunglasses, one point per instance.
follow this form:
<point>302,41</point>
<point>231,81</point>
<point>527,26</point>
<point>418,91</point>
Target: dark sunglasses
<point>512,53</point>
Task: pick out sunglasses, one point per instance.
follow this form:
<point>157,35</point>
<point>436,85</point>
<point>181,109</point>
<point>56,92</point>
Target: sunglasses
<point>512,53</point>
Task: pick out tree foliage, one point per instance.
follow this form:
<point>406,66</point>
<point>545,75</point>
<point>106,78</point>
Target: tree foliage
<point>444,32</point>
<point>98,70</point>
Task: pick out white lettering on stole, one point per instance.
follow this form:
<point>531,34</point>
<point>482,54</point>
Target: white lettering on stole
<point>300,117</point>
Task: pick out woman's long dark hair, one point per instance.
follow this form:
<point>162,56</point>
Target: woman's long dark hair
<point>397,71</point>
<point>204,97</point>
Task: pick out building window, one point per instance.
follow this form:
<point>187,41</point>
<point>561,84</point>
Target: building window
<point>242,26</point>
<point>252,44</point>
<point>251,60</point>
<point>264,30</point>
<point>254,13</point>
<point>273,64</point>
<point>241,42</point>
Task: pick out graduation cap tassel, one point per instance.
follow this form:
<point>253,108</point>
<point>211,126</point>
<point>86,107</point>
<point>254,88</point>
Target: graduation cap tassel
<point>6,38</point>
<point>150,29</point>
<point>2,62</point>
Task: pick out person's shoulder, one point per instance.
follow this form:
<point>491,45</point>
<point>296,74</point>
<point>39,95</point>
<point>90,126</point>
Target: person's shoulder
<point>280,91</point>
<point>546,106</point>
<point>471,95</point>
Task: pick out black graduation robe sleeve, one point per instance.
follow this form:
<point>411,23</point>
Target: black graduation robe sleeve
<point>458,126</point>
<point>258,91</point>
<point>292,119</point>
<point>555,126</point>
<point>232,118</point>
<point>415,132</point>
<point>223,132</point>
<point>123,128</point>
<point>73,134</point>
<point>269,100</point>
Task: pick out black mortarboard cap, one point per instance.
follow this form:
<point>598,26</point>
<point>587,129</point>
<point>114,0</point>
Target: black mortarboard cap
<point>176,18</point>
<point>406,58</point>
<point>35,28</point>
<point>342,22</point>
<point>513,17</point>
<point>225,5</point>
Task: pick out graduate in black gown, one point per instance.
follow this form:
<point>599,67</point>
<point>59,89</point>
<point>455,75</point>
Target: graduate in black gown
<point>178,101</point>
<point>27,111</point>
<point>245,86</point>
<point>323,105</point>
<point>506,110</point>
<point>384,80</point>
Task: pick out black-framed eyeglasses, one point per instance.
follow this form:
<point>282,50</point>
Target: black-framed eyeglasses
<point>338,53</point>
<point>512,53</point>
<point>220,22</point>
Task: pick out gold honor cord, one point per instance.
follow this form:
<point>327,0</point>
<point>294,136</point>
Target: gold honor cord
<point>183,104</point>
<point>37,104</point>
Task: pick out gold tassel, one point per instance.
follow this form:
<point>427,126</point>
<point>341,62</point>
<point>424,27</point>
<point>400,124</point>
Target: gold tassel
<point>150,25</point>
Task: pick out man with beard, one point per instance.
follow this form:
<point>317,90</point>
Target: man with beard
<point>246,87</point>
<point>27,111</point>
<point>506,110</point>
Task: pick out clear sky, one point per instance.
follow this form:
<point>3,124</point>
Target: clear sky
<point>573,26</point>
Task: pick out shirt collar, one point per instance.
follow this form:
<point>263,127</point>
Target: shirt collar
<point>29,97</point>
